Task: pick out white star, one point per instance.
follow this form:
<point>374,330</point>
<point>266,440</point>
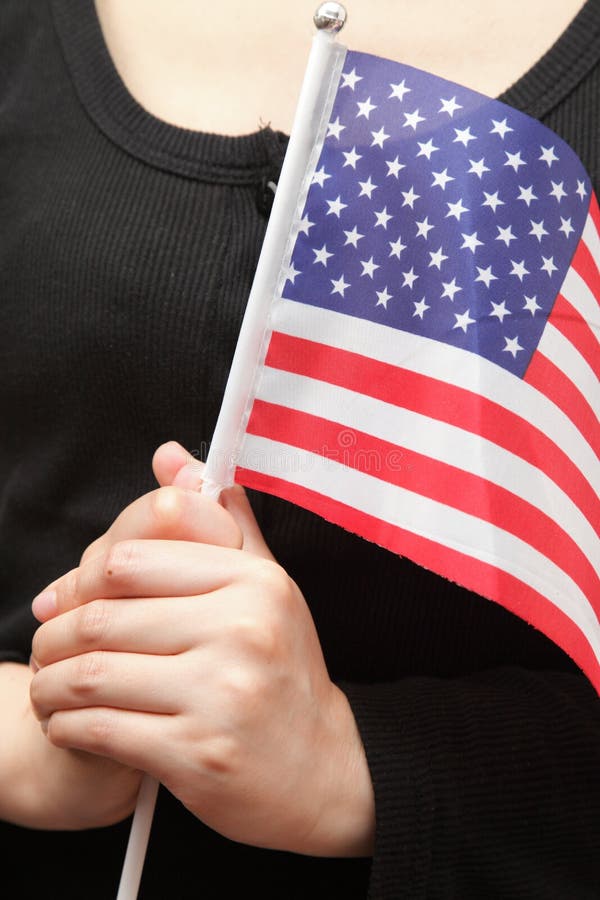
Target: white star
<point>500,128</point>
<point>518,269</point>
<point>437,259</point>
<point>334,129</point>
<point>409,197</point>
<point>514,160</point>
<point>450,289</point>
<point>492,200</point>
<point>441,179</point>
<point>291,273</point>
<point>383,217</point>
<point>537,229</point>
<point>322,255</point>
<point>368,267</point>
<point>351,79</point>
<point>463,320</point>
<point>397,247</point>
<point>353,237</point>
<point>383,297</point>
<point>526,194</point>
<point>339,286</point>
<point>420,308</point>
<point>409,278</point>
<point>463,136</point>
<point>399,90</point>
<point>500,311</point>
<point>423,227</point>
<point>531,305</point>
<point>320,177</point>
<point>505,234</point>
<point>449,106</point>
<point>352,158</point>
<point>412,119</point>
<point>485,275</point>
<point>394,167</point>
<point>367,187</point>
<point>426,149</point>
<point>456,210</point>
<point>512,346</point>
<point>365,108</point>
<point>558,190</point>
<point>566,226</point>
<point>335,206</point>
<point>581,189</point>
<point>548,265</point>
<point>548,155</point>
<point>379,137</point>
<point>478,168</point>
<point>304,225</point>
<point>470,242</point>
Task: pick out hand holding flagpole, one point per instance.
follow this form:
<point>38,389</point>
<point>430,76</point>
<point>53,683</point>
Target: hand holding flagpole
<point>324,63</point>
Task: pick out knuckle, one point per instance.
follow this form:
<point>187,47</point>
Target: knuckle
<point>271,579</point>
<point>121,563</point>
<point>220,755</point>
<point>245,688</point>
<point>90,669</point>
<point>257,637</point>
<point>35,693</point>
<point>101,729</point>
<point>166,505</point>
<point>93,623</point>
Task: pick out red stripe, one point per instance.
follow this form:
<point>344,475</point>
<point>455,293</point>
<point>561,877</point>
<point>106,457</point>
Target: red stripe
<point>438,400</point>
<point>472,574</point>
<point>427,477</point>
<point>574,327</point>
<point>554,384</point>
<point>583,262</point>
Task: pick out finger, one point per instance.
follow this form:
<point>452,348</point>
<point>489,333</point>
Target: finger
<point>235,501</point>
<point>159,626</point>
<point>173,464</point>
<point>149,568</point>
<point>121,680</point>
<point>168,460</point>
<point>143,741</point>
<point>171,513</point>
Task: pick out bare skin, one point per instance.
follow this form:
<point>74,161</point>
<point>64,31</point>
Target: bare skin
<point>197,70</point>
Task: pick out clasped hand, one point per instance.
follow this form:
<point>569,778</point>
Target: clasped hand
<point>179,647</point>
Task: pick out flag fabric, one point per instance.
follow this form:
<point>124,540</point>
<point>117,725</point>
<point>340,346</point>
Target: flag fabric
<point>430,374</point>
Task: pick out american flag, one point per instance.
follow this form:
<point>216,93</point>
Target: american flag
<point>431,370</point>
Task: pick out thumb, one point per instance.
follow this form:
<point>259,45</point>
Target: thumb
<point>172,464</point>
<point>235,501</point>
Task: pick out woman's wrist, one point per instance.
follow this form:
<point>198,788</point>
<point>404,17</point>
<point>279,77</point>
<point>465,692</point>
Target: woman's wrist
<point>345,826</point>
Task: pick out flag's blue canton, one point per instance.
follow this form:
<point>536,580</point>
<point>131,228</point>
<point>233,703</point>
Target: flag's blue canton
<point>438,211</point>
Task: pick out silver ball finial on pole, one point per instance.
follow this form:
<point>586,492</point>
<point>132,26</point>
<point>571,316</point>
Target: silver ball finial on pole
<point>330,17</point>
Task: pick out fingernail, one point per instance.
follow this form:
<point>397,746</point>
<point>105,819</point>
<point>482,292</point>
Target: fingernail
<point>44,605</point>
<point>33,665</point>
<point>44,725</point>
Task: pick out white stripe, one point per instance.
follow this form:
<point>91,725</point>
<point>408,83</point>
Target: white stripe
<point>420,434</point>
<point>444,362</point>
<point>590,236</point>
<point>429,519</point>
<point>555,346</point>
<point>575,290</point>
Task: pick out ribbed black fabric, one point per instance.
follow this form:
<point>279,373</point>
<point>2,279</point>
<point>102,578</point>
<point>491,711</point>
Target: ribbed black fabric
<point>127,249</point>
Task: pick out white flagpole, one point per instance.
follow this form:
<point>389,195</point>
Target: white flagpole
<point>322,71</point>
<point>312,113</point>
